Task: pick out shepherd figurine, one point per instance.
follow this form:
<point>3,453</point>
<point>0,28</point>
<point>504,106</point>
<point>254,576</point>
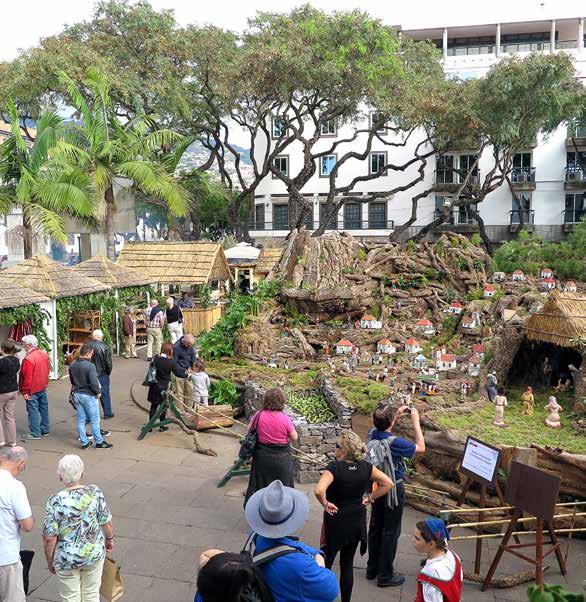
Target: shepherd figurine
<point>528,402</point>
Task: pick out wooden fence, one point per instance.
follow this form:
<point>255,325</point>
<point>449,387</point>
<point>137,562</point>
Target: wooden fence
<point>200,320</point>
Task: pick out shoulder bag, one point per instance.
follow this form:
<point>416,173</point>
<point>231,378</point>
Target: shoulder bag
<point>248,444</point>
<point>151,375</point>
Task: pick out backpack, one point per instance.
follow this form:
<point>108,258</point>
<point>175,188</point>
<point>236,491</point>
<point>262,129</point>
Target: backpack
<point>378,453</point>
<point>270,554</point>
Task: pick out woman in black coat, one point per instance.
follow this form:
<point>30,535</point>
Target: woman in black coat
<point>164,365</point>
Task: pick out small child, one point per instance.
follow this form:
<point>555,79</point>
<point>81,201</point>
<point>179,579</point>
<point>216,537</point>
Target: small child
<point>201,383</point>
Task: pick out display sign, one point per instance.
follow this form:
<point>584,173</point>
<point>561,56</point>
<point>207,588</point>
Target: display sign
<point>480,461</point>
<point>532,490</point>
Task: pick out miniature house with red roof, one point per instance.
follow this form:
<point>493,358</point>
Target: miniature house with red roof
<point>518,276</point>
<point>545,273</point>
<point>471,322</point>
<point>498,277</point>
<point>570,287</point>
<point>548,284</point>
<point>412,346</point>
<point>445,361</point>
<point>425,327</point>
<point>455,308</point>
<point>386,346</point>
<point>344,347</point>
<point>474,364</point>
<point>489,291</point>
<point>368,321</point>
<point>478,350</point>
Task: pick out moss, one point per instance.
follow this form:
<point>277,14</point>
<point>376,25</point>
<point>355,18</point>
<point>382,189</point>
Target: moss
<point>522,430</point>
<point>364,395</point>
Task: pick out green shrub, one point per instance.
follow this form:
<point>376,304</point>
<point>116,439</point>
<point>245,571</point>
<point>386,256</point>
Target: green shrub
<point>223,392</point>
<point>313,406</point>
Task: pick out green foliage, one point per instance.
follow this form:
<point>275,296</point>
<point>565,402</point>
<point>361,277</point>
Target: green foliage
<point>475,294</point>
<point>364,395</point>
<point>205,295</point>
<point>38,316</point>
<point>294,316</point>
<point>361,254</point>
<point>552,593</point>
<point>313,406</point>
<point>223,392</point>
<point>475,239</point>
<point>411,247</point>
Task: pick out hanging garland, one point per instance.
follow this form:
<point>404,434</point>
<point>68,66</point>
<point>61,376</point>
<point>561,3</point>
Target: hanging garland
<point>32,312</point>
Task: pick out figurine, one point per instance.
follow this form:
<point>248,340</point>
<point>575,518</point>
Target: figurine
<point>272,363</point>
<point>331,363</point>
<point>464,389</point>
<point>286,365</point>
<point>528,402</point>
<point>553,418</point>
<point>392,375</point>
<point>500,402</point>
<point>491,384</point>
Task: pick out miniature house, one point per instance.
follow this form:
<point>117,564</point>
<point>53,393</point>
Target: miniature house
<point>518,276</point>
<point>445,361</point>
<point>412,346</point>
<point>474,364</point>
<point>420,361</point>
<point>386,346</point>
<point>478,350</point>
<point>471,322</point>
<point>570,286</point>
<point>545,273</point>
<point>455,308</point>
<point>498,277</point>
<point>368,321</point>
<point>425,327</point>
<point>548,284</point>
<point>489,291</point>
<point>344,347</point>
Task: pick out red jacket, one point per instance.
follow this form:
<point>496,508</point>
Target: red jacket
<point>34,372</point>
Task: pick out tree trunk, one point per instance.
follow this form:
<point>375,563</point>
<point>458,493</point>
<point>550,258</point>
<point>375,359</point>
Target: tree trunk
<point>27,238</point>
<point>482,231</point>
<point>110,215</point>
<point>196,224</point>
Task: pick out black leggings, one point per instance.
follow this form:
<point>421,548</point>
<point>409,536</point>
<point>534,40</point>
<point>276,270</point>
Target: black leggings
<point>153,411</point>
<point>347,553</point>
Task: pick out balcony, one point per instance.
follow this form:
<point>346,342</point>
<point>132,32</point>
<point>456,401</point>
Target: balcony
<point>575,178</point>
<point>576,136</point>
<point>573,217</point>
<point>566,44</point>
<point>458,221</point>
<point>349,224</point>
<point>525,47</point>
<point>449,179</point>
<point>523,178</point>
<point>515,216</point>
<point>471,50</point>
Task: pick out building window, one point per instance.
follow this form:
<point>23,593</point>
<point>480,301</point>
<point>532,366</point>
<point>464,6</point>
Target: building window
<point>377,162</point>
<point>377,216</point>
<point>323,215</point>
<point>377,122</point>
<point>281,164</point>
<point>329,128</point>
<point>523,204</point>
<point>278,127</point>
<point>575,209</point>
<point>326,164</point>
<point>466,163</point>
<point>352,216</point>
<point>576,159</point>
<point>259,217</point>
<point>281,217</point>
<point>445,169</point>
<point>462,214</point>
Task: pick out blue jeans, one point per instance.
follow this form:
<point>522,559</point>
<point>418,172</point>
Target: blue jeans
<point>104,380</point>
<point>87,411</point>
<point>37,408</point>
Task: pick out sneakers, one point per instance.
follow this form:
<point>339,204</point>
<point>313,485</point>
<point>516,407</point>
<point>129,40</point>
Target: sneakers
<point>45,434</point>
<point>90,436</point>
<point>395,581</point>
<point>30,437</point>
<point>163,428</point>
<point>104,445</point>
<point>86,445</point>
<point>108,416</point>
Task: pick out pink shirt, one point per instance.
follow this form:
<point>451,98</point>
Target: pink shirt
<point>273,427</point>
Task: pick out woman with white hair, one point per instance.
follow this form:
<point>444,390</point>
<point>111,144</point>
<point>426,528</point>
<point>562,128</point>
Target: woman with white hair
<point>174,317</point>
<point>77,533</point>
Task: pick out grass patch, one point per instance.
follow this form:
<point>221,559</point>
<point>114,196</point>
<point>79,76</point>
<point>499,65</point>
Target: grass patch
<point>364,395</point>
<point>522,430</point>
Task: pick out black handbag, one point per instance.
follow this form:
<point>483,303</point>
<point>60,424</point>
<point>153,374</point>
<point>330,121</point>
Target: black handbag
<point>71,399</point>
<point>151,375</point>
<point>248,444</point>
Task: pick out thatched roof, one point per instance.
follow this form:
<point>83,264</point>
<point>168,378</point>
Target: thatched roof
<point>12,295</point>
<point>268,259</point>
<point>47,277</point>
<point>117,276</point>
<point>561,321</point>
<point>169,262</point>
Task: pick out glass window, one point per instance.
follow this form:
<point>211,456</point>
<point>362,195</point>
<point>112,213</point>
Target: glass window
<point>352,216</point>
<point>524,203</point>
<point>332,222</point>
<point>281,217</point>
<point>259,217</point>
<point>329,128</point>
<point>575,209</point>
<point>521,160</point>
<point>377,216</point>
<point>326,164</point>
<point>281,164</point>
<point>576,159</point>
<point>377,162</point>
<point>462,214</point>
<point>445,169</point>
<point>377,121</point>
<point>278,128</point>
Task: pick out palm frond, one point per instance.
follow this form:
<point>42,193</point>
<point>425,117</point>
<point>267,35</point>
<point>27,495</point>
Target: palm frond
<point>77,98</point>
<point>47,135</point>
<point>103,177</point>
<point>45,222</point>
<point>15,129</point>
<point>159,139</point>
<point>171,160</point>
<point>8,200</point>
<point>70,153</point>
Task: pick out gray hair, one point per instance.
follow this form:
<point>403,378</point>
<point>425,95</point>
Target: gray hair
<point>13,454</point>
<point>189,337</point>
<point>30,339</point>
<point>70,469</point>
<point>170,301</point>
<point>98,334</point>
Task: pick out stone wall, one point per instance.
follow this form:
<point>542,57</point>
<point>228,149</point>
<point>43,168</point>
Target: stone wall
<point>316,440</point>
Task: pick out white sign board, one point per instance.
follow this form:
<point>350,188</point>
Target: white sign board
<point>480,460</point>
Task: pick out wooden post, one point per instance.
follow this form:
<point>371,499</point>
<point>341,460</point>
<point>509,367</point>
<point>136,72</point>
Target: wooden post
<point>501,550</point>
<point>539,552</point>
<point>480,528</point>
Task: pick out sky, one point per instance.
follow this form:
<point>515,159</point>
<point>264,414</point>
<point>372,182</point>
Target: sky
<point>35,19</point>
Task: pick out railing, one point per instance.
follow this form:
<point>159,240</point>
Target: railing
<point>561,44</point>
<point>522,174</point>
<point>371,224</point>
<point>527,214</point>
<point>577,130</point>
<point>468,50</point>
<point>574,216</point>
<point>526,47</point>
<point>574,173</point>
<point>456,218</point>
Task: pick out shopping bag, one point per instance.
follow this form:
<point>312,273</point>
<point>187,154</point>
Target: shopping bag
<point>111,588</point>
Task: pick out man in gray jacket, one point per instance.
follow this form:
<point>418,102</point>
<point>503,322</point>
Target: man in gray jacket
<point>86,388</point>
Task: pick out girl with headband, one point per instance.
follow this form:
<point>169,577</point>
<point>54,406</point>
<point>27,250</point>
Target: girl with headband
<point>440,579</point>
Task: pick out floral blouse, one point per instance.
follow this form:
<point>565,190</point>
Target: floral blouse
<point>76,517</point>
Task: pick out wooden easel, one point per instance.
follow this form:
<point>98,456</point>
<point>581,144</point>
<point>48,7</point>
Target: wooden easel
<point>530,491</point>
<point>236,470</point>
<point>155,421</point>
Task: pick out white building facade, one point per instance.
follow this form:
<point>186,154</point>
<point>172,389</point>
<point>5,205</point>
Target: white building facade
<point>547,176</point>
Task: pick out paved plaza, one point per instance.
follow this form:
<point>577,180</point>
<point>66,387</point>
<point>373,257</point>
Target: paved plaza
<point>167,509</point>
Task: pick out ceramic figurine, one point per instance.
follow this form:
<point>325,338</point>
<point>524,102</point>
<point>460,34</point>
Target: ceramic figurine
<point>464,389</point>
<point>286,365</point>
<point>528,402</point>
<point>500,402</point>
<point>392,375</point>
<point>553,418</point>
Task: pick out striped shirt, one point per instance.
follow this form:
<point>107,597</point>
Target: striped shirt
<point>157,321</point>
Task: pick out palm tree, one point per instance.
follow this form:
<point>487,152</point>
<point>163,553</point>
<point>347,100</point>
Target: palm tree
<point>108,149</point>
<point>44,186</point>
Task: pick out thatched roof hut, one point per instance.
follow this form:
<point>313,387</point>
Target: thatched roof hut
<point>103,269</point>
<point>561,321</point>
<point>169,262</point>
<point>268,259</point>
<point>13,295</point>
<point>47,277</point>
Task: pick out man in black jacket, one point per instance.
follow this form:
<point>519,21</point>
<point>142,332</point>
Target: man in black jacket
<point>86,388</point>
<point>102,360</point>
<point>184,354</point>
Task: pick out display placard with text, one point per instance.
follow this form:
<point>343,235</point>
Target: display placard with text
<point>480,461</point>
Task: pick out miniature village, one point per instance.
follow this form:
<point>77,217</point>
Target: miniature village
<point>428,325</point>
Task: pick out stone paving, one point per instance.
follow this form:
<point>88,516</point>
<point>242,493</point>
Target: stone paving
<point>167,509</point>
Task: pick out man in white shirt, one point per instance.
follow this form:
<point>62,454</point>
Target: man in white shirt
<point>15,514</point>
